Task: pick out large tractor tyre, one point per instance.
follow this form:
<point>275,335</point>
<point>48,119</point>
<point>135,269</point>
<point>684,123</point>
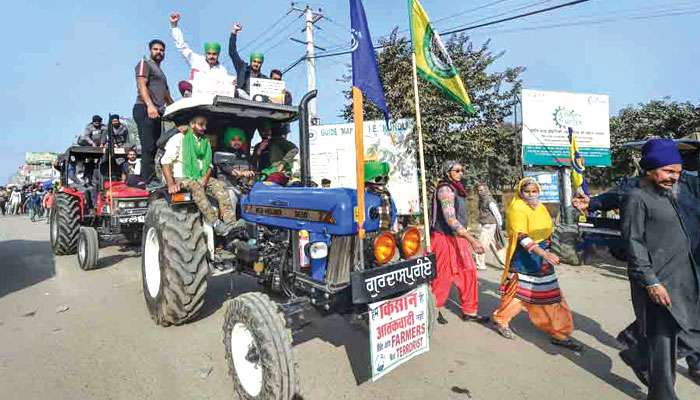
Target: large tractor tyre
<point>64,225</point>
<point>564,241</point>
<point>259,349</point>
<point>174,265</point>
<point>88,248</point>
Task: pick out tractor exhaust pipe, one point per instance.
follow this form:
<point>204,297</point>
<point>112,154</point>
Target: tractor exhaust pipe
<point>304,150</point>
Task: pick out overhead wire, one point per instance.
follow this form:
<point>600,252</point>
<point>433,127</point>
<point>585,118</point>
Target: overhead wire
<point>658,13</point>
<point>266,31</point>
<point>284,28</point>
<point>598,21</point>
<point>514,17</point>
<point>469,11</point>
<point>522,7</point>
<point>284,32</point>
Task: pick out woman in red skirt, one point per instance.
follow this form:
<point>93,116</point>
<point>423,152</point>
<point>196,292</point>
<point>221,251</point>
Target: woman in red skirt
<point>453,244</point>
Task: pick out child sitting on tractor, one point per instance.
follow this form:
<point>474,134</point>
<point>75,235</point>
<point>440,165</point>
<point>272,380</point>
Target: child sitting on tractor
<point>187,164</point>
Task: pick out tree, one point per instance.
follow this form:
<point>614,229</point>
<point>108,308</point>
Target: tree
<point>664,118</point>
<point>483,142</point>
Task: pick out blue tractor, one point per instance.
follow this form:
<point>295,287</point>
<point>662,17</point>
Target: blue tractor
<point>300,242</point>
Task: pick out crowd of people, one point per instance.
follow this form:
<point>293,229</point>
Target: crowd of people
<point>660,213</point>
<point>207,75</point>
<point>34,200</point>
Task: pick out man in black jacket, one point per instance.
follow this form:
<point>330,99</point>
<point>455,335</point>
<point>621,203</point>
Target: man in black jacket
<point>664,275</point>
<point>244,70</point>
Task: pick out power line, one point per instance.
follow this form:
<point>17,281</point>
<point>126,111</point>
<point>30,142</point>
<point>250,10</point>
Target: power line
<point>656,14</point>
<point>266,31</point>
<point>660,14</point>
<point>465,12</point>
<point>527,14</point>
<point>523,7</point>
<point>284,27</point>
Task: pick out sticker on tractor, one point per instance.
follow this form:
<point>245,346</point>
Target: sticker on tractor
<point>398,330</point>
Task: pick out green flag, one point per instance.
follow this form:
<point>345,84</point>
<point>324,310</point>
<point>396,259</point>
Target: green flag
<point>432,60</point>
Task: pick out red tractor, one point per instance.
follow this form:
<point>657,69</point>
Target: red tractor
<point>93,205</point>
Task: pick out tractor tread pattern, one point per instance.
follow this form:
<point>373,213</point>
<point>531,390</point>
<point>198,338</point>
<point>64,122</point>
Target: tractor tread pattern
<point>267,324</point>
<point>185,265</point>
<point>67,217</point>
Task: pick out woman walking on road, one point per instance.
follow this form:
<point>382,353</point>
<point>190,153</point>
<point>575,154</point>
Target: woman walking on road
<point>453,245</point>
<point>529,281</point>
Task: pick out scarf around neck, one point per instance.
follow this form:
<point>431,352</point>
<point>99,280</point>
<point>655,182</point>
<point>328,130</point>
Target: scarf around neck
<point>196,155</point>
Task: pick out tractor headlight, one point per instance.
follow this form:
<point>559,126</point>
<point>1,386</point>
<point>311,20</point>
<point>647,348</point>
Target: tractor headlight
<point>181,197</point>
<point>142,204</point>
<point>384,248</point>
<point>410,242</point>
<point>318,250</point>
<point>126,204</point>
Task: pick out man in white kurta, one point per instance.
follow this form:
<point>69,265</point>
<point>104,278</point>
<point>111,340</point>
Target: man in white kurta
<point>207,74</point>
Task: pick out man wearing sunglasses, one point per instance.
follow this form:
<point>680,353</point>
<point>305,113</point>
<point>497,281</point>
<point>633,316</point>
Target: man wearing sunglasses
<point>206,74</point>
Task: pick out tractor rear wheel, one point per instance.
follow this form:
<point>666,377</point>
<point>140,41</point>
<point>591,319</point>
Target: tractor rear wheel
<point>259,349</point>
<point>64,225</point>
<point>174,264</point>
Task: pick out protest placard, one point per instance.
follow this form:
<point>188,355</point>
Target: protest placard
<point>398,330</point>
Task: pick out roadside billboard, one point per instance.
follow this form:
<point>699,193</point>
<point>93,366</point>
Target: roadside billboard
<point>549,183</point>
<point>39,158</point>
<point>333,157</point>
<point>547,116</point>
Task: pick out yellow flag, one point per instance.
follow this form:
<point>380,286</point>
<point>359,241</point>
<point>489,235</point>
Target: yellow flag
<point>432,60</point>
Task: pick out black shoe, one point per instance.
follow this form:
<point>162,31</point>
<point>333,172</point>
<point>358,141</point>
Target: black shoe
<point>641,375</point>
<point>482,319</point>
<point>440,319</point>
<point>567,343</point>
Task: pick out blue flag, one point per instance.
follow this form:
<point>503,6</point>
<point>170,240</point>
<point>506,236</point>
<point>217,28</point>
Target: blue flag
<point>365,73</point>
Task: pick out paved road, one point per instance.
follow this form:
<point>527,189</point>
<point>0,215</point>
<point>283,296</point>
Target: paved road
<point>70,334</point>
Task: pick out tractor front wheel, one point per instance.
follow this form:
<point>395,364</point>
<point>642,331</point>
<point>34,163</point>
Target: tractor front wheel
<point>88,248</point>
<point>259,349</point>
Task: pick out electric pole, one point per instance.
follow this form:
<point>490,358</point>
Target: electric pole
<point>311,17</point>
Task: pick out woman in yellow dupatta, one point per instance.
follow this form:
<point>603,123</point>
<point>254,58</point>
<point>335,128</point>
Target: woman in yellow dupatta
<point>529,281</point>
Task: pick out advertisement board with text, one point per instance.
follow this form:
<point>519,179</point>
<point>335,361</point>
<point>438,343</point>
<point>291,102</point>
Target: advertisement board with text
<point>547,116</point>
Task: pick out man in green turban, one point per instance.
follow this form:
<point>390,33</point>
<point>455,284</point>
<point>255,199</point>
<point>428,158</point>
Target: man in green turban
<point>187,165</point>
<point>376,178</point>
<point>236,142</point>
<point>205,69</point>
<point>244,70</point>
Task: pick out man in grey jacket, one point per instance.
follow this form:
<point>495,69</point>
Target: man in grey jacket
<point>93,133</point>
<point>664,276</point>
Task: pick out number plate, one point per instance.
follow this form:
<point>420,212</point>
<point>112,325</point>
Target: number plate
<point>137,219</point>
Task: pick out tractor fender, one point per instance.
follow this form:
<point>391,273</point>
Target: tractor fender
<point>162,193</point>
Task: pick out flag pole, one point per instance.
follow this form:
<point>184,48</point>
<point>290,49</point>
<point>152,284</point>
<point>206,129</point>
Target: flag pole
<point>421,157</point>
<point>358,118</point>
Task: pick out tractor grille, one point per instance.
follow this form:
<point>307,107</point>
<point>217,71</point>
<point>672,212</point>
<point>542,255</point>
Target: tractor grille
<point>344,256</point>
